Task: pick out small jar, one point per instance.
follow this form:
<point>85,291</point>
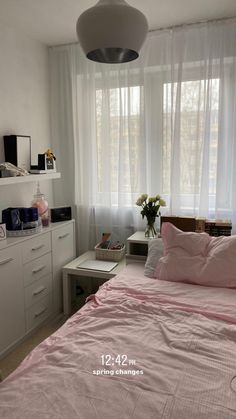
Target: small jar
<point>40,202</point>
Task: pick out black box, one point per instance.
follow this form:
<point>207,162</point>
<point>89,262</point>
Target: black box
<point>60,214</point>
<point>17,150</point>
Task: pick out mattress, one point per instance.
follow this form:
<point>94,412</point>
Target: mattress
<point>140,348</point>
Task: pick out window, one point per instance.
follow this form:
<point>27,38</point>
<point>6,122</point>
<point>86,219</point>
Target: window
<point>191,107</point>
<point>190,117</point>
<point>118,118</point>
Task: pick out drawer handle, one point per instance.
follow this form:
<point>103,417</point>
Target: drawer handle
<point>40,312</point>
<point>37,247</point>
<point>39,291</point>
<point>3,262</point>
<point>35,271</point>
<point>63,236</point>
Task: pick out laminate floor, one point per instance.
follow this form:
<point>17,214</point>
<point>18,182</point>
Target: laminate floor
<point>11,361</point>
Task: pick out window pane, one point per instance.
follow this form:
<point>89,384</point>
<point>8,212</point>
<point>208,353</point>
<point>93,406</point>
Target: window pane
<point>118,113</point>
<point>192,108</point>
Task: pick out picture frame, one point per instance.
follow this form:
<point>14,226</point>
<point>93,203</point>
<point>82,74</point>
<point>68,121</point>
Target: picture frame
<point>46,164</point>
<point>3,232</point>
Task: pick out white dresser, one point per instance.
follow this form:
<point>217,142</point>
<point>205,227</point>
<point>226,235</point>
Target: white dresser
<point>31,280</point>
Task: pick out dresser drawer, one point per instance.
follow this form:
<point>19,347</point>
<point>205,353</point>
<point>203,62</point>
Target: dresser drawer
<point>63,251</point>
<point>37,268</point>
<point>38,290</point>
<point>39,312</point>
<point>8,259</point>
<point>63,240</point>
<point>36,247</point>
<point>12,312</point>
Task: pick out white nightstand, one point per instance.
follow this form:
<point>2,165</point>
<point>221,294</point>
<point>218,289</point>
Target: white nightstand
<point>71,269</point>
<point>137,247</point>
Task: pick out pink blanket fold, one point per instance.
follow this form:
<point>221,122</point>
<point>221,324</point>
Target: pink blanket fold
<point>177,341</point>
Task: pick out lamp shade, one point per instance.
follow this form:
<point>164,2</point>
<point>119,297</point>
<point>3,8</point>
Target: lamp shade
<point>112,32</point>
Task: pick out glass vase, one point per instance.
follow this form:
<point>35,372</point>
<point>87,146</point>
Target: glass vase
<point>150,231</point>
<point>42,205</point>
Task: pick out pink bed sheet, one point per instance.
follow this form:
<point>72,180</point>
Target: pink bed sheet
<point>182,338</point>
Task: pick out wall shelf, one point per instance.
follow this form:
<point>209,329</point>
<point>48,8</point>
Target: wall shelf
<point>14,180</point>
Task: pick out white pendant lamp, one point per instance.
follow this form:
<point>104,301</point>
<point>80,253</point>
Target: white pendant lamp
<point>112,32</point>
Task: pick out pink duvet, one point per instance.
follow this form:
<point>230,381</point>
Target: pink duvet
<point>178,342</point>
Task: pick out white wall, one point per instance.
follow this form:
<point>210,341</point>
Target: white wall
<point>24,105</point>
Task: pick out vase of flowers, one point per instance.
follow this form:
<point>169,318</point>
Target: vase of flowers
<point>150,210</point>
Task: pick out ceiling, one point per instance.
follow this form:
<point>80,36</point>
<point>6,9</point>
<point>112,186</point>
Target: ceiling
<point>53,21</point>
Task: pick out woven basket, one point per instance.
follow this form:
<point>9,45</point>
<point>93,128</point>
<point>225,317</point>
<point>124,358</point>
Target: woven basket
<point>108,254</point>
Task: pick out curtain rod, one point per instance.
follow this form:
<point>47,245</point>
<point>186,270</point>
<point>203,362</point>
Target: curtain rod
<point>199,22</point>
<point>165,28</point>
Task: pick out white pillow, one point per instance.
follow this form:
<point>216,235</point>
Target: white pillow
<point>155,252</point>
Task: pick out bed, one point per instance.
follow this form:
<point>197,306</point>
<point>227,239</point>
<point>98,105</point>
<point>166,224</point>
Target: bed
<point>140,348</point>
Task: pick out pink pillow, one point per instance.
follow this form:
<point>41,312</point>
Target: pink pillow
<point>197,258</point>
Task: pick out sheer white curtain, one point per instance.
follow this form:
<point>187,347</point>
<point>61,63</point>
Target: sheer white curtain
<point>162,124</point>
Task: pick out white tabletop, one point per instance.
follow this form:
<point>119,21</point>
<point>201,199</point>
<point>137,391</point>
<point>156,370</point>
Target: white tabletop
<point>139,237</point>
<point>72,267</point>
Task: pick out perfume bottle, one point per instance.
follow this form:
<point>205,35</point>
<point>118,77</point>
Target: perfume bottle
<point>40,202</point>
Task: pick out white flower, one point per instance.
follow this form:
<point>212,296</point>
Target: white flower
<point>150,206</point>
<point>144,197</point>
<point>162,203</point>
<point>139,202</point>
